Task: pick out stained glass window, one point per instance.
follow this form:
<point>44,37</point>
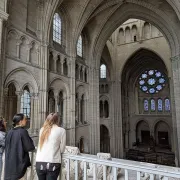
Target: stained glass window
<point>152,81</point>
<point>57,29</point>
<point>103,71</point>
<point>26,103</point>
<point>146,105</point>
<point>167,105</point>
<point>80,46</point>
<point>160,105</point>
<point>153,105</point>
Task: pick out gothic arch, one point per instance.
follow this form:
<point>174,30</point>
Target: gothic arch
<point>59,85</point>
<point>136,10</point>
<point>18,74</point>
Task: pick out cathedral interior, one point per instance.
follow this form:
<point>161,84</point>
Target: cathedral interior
<point>109,68</point>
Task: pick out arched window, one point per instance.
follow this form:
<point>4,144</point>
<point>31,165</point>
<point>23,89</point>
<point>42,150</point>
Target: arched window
<point>58,65</point>
<point>146,105</point>
<point>103,71</point>
<point>57,28</point>
<point>106,109</point>
<point>80,46</point>
<point>65,68</point>
<point>167,105</point>
<point>51,62</point>
<point>153,105</point>
<point>85,76</point>
<point>51,101</point>
<point>26,102</point>
<point>160,105</point>
<point>101,108</point>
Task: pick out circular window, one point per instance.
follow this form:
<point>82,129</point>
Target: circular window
<point>152,81</point>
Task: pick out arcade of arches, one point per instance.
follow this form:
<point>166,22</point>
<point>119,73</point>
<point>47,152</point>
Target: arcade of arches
<point>111,69</point>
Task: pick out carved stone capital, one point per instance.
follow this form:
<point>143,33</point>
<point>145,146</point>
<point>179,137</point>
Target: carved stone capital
<point>3,15</point>
<point>6,91</point>
<point>19,93</point>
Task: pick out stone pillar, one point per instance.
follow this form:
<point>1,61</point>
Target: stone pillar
<point>79,109</point>
<point>62,67</point>
<point>19,94</point>
<point>118,119</point>
<point>28,52</point>
<point>79,72</point>
<point>93,107</point>
<point>3,17</point>
<point>71,101</point>
<point>43,92</point>
<point>18,49</point>
<point>55,63</point>
<point>175,105</point>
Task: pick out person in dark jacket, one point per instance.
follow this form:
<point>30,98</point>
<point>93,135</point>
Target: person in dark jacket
<point>18,144</point>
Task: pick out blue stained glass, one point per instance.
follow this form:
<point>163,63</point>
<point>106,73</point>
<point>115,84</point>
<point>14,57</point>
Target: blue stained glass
<point>153,105</point>
<point>141,82</point>
<point>152,90</point>
<point>146,105</point>
<point>160,105</point>
<point>151,72</point>
<point>158,74</point>
<point>167,105</point>
<point>144,76</point>
<point>144,88</point>
<point>161,80</point>
<point>159,87</point>
<point>151,81</point>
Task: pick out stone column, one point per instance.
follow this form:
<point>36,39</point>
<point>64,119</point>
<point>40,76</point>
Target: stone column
<point>19,94</point>
<point>18,49</point>
<point>118,119</point>
<point>64,111</point>
<point>93,107</point>
<point>71,101</point>
<point>34,125</point>
<point>79,72</point>
<point>62,67</point>
<point>175,105</point>
<point>55,63</point>
<point>79,109</point>
<point>3,17</point>
<point>28,52</point>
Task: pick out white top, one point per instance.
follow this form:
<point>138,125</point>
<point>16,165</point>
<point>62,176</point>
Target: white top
<point>53,146</point>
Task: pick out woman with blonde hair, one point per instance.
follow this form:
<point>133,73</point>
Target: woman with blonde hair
<point>52,142</point>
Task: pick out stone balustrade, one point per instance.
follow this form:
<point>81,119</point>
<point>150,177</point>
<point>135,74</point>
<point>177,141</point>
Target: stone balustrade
<point>77,166</point>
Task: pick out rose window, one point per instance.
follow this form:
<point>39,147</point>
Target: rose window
<point>152,81</point>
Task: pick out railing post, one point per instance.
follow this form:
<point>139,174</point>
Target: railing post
<point>104,172</point>
<point>138,175</point>
<point>114,173</point>
<point>68,169</point>
<point>76,170</point>
<point>151,176</point>
<point>94,172</point>
<point>126,174</point>
<point>85,171</point>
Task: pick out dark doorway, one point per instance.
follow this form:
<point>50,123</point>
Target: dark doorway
<point>145,137</point>
<point>163,138</point>
<point>104,139</point>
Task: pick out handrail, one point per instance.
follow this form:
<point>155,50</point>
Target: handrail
<point>129,165</point>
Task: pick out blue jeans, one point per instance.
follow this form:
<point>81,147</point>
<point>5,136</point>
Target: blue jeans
<point>1,164</point>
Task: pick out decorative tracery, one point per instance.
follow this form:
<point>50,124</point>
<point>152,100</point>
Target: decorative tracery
<point>152,81</point>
